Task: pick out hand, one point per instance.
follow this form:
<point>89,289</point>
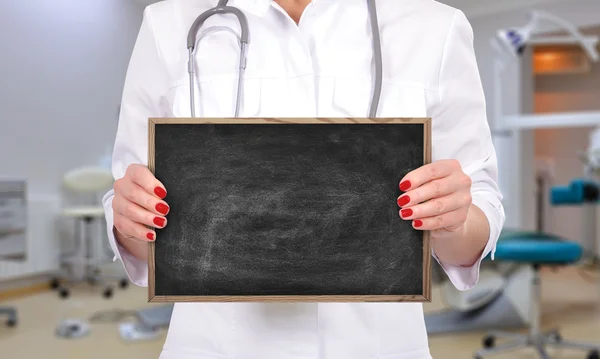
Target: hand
<point>437,197</point>
<point>138,203</point>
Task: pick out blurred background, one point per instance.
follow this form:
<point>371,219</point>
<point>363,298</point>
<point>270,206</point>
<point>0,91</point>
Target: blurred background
<point>62,67</point>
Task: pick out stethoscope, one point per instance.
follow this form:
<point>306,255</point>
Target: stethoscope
<point>243,40</point>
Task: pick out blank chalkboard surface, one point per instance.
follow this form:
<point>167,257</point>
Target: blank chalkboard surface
<point>287,210</point>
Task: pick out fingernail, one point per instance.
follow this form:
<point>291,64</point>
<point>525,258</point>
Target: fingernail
<point>161,193</point>
<point>159,221</point>
<point>403,201</point>
<point>418,223</point>
<point>406,212</point>
<point>404,186</point>
<point>150,236</point>
<point>162,208</point>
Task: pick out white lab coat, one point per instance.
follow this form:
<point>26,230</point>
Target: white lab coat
<point>319,68</point>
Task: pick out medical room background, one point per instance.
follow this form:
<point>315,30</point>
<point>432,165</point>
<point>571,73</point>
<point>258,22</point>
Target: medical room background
<point>62,69</point>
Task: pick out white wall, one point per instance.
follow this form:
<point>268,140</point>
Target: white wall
<point>62,67</point>
<point>516,183</point>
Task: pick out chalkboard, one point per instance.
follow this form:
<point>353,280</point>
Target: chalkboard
<point>280,209</point>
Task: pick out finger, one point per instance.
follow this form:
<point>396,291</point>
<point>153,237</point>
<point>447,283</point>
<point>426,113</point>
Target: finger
<point>137,214</point>
<point>447,220</point>
<point>136,194</point>
<point>437,206</point>
<point>428,173</point>
<point>132,230</point>
<point>434,189</point>
<point>142,176</point>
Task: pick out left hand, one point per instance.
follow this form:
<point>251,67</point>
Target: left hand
<point>437,197</point>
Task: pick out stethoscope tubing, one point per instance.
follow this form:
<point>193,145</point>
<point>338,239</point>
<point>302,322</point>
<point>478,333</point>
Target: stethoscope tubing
<point>244,41</point>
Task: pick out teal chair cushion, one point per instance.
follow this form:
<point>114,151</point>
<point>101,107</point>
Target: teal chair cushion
<point>536,248</point>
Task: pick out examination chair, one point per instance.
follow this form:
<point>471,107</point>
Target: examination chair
<point>542,250</point>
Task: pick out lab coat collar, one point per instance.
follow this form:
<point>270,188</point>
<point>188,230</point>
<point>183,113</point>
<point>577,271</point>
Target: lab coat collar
<point>258,7</point>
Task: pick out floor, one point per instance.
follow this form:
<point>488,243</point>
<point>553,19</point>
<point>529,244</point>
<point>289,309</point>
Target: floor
<point>570,302</point>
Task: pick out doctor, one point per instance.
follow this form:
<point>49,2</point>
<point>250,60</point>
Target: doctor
<point>313,59</point>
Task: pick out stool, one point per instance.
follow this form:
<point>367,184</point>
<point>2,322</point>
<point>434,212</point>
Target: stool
<point>537,250</point>
<point>88,181</point>
<point>86,215</point>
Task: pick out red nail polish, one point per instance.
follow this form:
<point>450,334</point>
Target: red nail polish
<point>406,212</point>
<point>159,221</point>
<point>404,186</point>
<point>161,193</point>
<point>150,236</point>
<point>162,208</point>
<point>418,223</point>
<point>403,201</point>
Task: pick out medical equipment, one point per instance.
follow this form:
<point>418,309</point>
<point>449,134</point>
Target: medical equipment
<point>515,40</point>
<point>577,192</point>
<point>135,332</point>
<point>13,220</point>
<point>84,262</point>
<point>591,157</point>
<point>11,314</point>
<point>519,295</point>
<point>244,40</point>
<point>514,167</point>
<point>536,250</point>
<point>583,192</point>
<point>13,231</point>
<point>149,323</point>
<point>72,328</point>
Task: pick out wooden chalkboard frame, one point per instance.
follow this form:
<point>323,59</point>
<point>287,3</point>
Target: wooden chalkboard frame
<point>424,297</point>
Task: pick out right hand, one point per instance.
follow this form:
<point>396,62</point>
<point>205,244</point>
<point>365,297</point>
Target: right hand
<point>138,203</point>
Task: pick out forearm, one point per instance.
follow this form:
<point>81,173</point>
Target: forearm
<point>466,245</point>
<point>137,249</point>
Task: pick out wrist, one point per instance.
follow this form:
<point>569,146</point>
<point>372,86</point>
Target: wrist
<point>119,237</point>
<point>449,248</point>
<point>137,249</point>
<point>465,245</point>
